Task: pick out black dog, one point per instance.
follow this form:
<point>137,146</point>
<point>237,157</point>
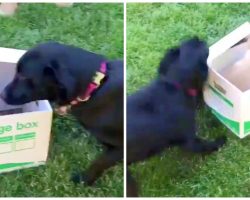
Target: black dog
<point>162,114</point>
<point>62,74</point>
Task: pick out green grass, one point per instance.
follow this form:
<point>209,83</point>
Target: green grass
<point>151,29</point>
<point>98,28</point>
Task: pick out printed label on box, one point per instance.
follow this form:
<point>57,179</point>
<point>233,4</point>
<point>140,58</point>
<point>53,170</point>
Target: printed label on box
<point>6,144</point>
<point>25,141</point>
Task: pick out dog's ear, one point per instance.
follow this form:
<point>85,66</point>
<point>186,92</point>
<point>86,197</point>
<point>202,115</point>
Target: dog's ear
<point>168,70</point>
<point>168,60</point>
<point>55,85</point>
<point>49,74</point>
<point>57,76</point>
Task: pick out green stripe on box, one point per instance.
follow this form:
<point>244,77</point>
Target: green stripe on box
<point>12,165</point>
<point>25,136</point>
<point>247,127</point>
<point>6,139</point>
<point>234,126</point>
<point>227,101</point>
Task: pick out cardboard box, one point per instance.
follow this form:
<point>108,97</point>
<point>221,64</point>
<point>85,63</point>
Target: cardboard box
<point>228,90</point>
<point>24,137</point>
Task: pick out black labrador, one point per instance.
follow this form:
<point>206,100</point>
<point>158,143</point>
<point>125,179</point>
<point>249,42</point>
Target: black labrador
<point>162,114</point>
<point>63,74</point>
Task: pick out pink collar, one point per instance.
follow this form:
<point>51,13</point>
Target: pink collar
<point>93,85</point>
<point>96,82</point>
<point>190,91</point>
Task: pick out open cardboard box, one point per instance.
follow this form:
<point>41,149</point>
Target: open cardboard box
<point>228,90</point>
<point>24,137</point>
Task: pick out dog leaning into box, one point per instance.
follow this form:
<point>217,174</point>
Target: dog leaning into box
<point>86,84</point>
<point>163,114</point>
<point>25,129</point>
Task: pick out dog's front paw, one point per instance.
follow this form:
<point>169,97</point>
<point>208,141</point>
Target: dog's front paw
<point>82,178</point>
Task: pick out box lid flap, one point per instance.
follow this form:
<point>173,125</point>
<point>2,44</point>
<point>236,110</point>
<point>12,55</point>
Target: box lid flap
<point>10,55</point>
<point>228,41</point>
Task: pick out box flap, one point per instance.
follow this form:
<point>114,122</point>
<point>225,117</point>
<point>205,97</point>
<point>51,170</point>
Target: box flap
<point>228,41</point>
<point>10,55</point>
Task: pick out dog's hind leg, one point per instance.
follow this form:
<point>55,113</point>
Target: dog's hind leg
<point>198,145</point>
<point>107,160</point>
<point>132,190</point>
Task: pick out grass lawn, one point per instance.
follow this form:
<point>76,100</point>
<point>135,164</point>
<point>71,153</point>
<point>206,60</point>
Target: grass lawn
<point>151,29</point>
<point>98,28</point>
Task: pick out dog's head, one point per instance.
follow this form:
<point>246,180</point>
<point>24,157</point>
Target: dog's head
<point>186,64</point>
<point>40,76</point>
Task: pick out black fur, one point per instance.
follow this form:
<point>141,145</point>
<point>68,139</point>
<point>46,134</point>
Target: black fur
<point>60,73</point>
<point>162,115</point>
